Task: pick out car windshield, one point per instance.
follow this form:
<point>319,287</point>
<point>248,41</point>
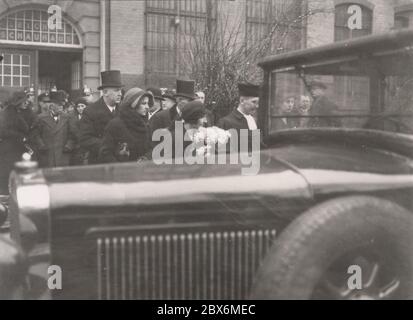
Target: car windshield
<point>369,91</point>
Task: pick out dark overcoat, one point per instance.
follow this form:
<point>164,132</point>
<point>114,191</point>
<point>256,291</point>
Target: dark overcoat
<point>79,155</point>
<point>53,141</point>
<point>130,129</point>
<point>236,121</point>
<point>163,119</point>
<point>326,108</point>
<point>14,131</point>
<point>92,126</point>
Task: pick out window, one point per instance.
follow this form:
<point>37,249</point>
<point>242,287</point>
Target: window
<point>401,22</point>
<point>342,16</point>
<point>76,75</point>
<point>15,70</point>
<point>276,19</point>
<point>31,27</point>
<point>169,28</point>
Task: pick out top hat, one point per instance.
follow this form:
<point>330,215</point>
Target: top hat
<point>110,79</point>
<point>248,90</point>
<point>186,89</point>
<point>156,92</point>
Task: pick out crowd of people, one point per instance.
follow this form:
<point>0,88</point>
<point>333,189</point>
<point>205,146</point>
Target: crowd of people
<point>117,127</point>
<point>307,112</point>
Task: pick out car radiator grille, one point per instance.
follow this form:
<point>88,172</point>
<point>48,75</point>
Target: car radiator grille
<point>198,265</point>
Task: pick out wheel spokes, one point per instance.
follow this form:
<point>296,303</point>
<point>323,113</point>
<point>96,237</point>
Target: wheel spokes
<point>372,285</point>
<point>387,291</point>
<point>337,292</point>
<point>373,276</point>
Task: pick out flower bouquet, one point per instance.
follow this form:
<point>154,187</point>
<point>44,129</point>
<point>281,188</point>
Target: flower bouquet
<point>209,139</point>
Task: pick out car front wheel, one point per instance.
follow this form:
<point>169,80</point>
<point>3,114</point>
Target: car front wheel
<point>348,248</point>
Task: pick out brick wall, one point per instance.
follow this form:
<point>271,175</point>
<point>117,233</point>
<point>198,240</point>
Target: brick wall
<point>321,25</point>
<point>127,39</point>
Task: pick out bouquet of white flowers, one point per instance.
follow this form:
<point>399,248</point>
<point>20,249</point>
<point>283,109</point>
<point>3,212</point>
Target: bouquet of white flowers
<point>207,138</point>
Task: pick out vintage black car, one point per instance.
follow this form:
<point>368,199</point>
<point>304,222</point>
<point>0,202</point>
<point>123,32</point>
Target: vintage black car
<point>326,201</point>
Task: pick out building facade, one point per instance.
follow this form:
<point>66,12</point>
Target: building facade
<point>144,39</point>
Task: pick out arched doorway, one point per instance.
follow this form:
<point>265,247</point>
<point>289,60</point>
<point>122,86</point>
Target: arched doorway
<point>37,56</point>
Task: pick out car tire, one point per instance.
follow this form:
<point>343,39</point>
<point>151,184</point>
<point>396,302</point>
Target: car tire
<point>313,242</point>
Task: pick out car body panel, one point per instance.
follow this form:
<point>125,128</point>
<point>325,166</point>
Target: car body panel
<point>147,231</point>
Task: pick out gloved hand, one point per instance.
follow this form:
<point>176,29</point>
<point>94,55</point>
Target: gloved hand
<point>142,159</point>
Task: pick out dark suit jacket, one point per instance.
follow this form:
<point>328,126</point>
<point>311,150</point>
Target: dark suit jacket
<point>92,126</point>
<point>163,119</point>
<point>235,120</point>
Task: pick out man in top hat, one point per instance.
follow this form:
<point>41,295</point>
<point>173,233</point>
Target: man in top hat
<point>185,92</point>
<point>158,99</point>
<point>52,135</point>
<point>97,115</point>
<point>322,106</point>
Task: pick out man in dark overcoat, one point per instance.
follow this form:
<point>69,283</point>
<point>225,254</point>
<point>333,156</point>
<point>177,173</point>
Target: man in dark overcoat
<point>15,123</point>
<point>52,134</point>
<point>97,115</point>
<point>323,107</point>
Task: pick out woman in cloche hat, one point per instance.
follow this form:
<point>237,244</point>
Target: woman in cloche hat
<point>126,137</point>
